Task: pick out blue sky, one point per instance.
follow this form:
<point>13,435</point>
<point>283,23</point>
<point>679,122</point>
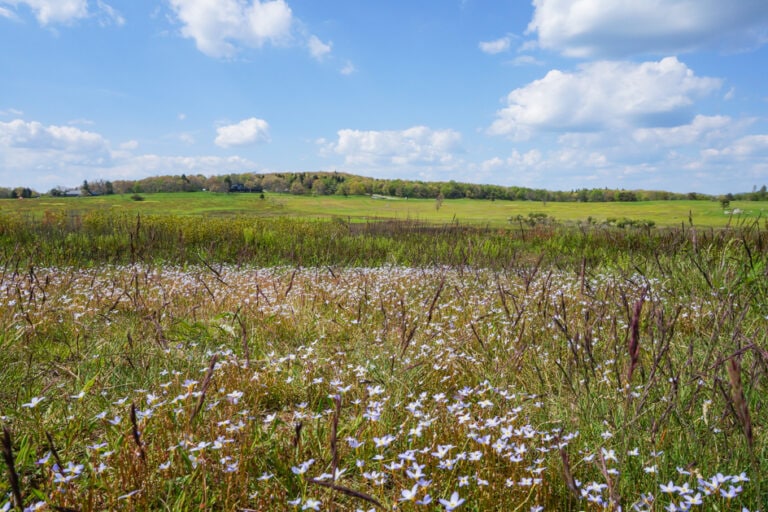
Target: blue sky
<point>555,94</point>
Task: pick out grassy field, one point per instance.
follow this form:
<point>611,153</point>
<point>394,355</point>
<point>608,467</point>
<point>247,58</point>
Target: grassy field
<point>223,352</point>
<point>357,208</point>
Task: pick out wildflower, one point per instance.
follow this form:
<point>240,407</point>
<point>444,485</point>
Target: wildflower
<point>385,441</point>
<point>303,467</point>
<point>235,396</point>
<point>426,500</point>
<point>668,488</point>
<point>453,503</point>
<point>33,403</point>
<point>354,443</point>
<point>732,492</point>
<point>694,500</point>
<point>415,471</point>
<point>442,450</point>
<point>409,494</point>
<point>311,504</point>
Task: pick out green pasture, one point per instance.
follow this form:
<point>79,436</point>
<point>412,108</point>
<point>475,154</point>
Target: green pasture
<point>360,208</point>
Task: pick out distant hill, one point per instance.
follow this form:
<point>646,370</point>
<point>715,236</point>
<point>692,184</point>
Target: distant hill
<point>344,184</point>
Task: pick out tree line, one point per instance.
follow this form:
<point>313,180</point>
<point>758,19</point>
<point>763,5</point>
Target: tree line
<point>343,184</point>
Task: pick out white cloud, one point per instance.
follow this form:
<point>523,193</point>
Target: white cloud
<point>140,166</point>
<point>29,150</point>
<point>6,13</point>
<point>34,136</point>
<point>130,145</point>
<point>246,132</point>
<point>413,146</point>
<point>745,147</point>
<point>317,48</point>
<point>604,95</point>
<point>526,60</point>
<point>45,156</point>
<point>496,46</point>
<point>108,15</point>
<point>348,68</point>
<point>51,12</point>
<point>11,112</point>
<point>187,138</point>
<point>613,28</point>
<point>702,128</point>
<point>221,27</point>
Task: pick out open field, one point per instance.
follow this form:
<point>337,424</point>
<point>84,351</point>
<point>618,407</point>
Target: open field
<point>357,208</point>
<point>157,362</point>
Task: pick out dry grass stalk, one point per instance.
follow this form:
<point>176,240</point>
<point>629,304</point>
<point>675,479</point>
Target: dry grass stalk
<point>54,452</point>
<point>738,399</point>
<point>615,501</point>
<point>570,482</point>
<point>634,339</point>
<point>349,492</point>
<point>297,435</point>
<point>136,434</point>
<point>13,477</point>
<point>204,388</point>
<point>334,437</point>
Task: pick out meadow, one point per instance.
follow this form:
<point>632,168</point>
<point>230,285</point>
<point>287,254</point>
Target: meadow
<point>362,208</point>
<point>154,361</point>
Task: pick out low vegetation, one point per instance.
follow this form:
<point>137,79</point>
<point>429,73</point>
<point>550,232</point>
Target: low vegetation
<point>157,362</point>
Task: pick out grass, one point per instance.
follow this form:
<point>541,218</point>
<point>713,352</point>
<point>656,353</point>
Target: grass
<point>157,362</point>
<point>360,208</point>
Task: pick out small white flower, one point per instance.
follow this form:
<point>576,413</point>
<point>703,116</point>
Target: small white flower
<point>33,403</point>
<point>453,503</point>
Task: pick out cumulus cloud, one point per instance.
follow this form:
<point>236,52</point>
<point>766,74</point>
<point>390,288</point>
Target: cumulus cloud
<point>496,46</point>
<point>34,136</point>
<point>246,132</point>
<point>317,48</point>
<point>51,12</point>
<point>46,156</point>
<point>750,146</point>
<point>413,146</point>
<point>617,28</point>
<point>602,95</point>
<point>221,27</point>
<point>701,128</point>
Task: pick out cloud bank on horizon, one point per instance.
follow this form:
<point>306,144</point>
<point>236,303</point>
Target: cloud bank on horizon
<point>556,94</point>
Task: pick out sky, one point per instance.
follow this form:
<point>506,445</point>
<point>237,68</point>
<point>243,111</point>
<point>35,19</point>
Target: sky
<point>553,94</point>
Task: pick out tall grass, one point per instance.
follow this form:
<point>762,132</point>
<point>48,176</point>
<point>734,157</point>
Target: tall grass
<point>248,365</point>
